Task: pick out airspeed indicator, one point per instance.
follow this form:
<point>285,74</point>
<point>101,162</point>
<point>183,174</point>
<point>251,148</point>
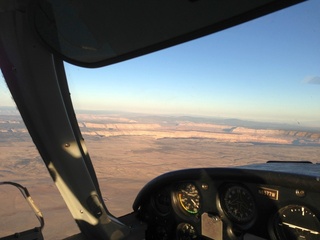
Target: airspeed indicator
<point>189,198</point>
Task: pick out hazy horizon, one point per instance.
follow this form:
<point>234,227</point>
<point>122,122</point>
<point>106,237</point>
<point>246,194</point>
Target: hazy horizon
<point>295,125</point>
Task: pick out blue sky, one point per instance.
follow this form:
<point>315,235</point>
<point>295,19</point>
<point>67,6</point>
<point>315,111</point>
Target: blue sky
<point>266,70</point>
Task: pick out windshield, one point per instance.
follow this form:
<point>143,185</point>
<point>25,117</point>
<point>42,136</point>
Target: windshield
<point>246,95</point>
<point>266,70</point>
<point>249,94</point>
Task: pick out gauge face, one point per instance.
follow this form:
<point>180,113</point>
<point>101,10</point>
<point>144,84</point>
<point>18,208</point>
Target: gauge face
<point>297,222</point>
<point>162,202</point>
<point>189,198</point>
<point>186,231</point>
<point>238,204</point>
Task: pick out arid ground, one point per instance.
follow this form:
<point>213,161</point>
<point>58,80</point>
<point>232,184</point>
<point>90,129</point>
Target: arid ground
<point>129,151</point>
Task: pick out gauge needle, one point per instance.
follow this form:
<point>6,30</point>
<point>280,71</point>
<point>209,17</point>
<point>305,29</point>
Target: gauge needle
<point>196,204</point>
<point>301,228</point>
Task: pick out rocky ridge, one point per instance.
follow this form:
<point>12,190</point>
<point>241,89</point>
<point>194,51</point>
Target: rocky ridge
<point>95,126</point>
<point>218,133</point>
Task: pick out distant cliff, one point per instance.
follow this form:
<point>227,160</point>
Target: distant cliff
<point>216,132</point>
<point>173,127</point>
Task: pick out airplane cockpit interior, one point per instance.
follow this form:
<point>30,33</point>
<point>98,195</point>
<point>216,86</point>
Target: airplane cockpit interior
<point>46,44</point>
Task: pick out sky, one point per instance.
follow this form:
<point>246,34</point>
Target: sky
<point>264,70</point>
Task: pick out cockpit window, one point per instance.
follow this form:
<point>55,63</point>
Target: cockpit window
<point>249,94</point>
<point>266,71</point>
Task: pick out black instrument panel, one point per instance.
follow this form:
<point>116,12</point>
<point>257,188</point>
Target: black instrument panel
<point>228,203</point>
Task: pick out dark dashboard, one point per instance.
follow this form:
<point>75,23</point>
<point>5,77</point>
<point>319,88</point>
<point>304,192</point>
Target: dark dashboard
<point>274,201</point>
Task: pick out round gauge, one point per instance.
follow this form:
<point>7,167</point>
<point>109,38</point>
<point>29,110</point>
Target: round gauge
<point>296,222</point>
<point>186,231</point>
<point>189,198</point>
<point>238,204</point>
<point>162,201</point>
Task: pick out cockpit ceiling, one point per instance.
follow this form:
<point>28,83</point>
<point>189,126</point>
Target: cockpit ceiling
<point>98,33</point>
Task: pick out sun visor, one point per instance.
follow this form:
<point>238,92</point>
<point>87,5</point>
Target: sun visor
<point>101,32</point>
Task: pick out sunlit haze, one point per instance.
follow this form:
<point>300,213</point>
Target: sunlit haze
<point>265,70</point>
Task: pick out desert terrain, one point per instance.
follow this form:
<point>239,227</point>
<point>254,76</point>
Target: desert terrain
<point>127,151</point>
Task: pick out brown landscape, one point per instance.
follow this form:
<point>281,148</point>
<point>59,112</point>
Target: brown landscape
<point>128,151</point>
